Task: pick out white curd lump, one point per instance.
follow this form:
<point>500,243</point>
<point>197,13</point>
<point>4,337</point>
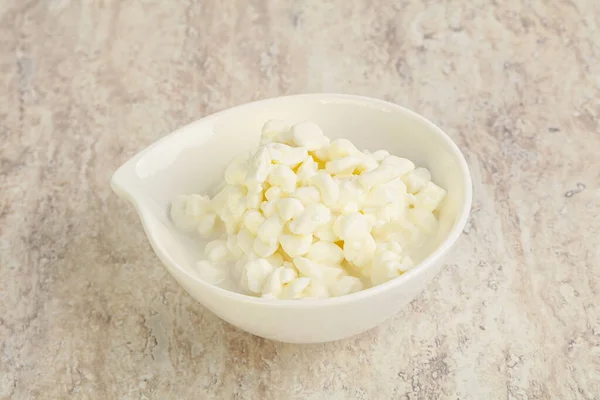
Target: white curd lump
<point>306,217</point>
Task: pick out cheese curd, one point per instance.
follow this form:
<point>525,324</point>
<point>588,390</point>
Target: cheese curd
<point>303,217</point>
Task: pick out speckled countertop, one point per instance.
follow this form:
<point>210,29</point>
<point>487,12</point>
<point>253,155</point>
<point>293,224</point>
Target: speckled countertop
<point>88,312</point>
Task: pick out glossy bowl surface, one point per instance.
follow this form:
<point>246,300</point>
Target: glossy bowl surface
<point>192,160</point>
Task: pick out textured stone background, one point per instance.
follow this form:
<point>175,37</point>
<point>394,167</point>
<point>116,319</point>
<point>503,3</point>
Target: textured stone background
<point>86,309</point>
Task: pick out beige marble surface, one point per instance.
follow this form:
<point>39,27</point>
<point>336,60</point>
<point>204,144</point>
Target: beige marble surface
<point>88,312</point>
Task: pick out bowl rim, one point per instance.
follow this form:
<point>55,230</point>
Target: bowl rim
<point>401,280</point>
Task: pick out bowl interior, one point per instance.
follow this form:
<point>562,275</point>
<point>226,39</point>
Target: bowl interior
<point>192,159</point>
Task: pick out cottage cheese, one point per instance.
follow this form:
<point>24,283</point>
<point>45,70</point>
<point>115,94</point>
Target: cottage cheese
<point>307,217</point>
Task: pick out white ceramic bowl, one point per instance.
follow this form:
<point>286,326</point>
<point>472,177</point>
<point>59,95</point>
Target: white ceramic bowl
<point>192,160</point>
